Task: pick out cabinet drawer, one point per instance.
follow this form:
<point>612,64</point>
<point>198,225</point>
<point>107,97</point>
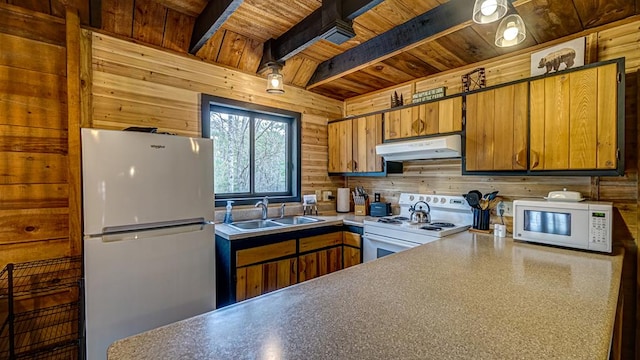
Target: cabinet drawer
<point>351,239</point>
<point>320,241</point>
<point>266,252</point>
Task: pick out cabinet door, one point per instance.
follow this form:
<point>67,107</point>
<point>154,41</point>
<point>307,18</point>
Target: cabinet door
<point>256,274</point>
<point>573,120</point>
<point>424,119</point>
<point>340,146</point>
<point>351,249</point>
<point>496,124</point>
<point>321,254</point>
<point>367,133</point>
<point>254,280</point>
<point>450,115</point>
<point>319,263</point>
<point>392,125</point>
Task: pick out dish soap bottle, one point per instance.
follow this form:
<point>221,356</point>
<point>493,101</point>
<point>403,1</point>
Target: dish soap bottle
<point>228,218</point>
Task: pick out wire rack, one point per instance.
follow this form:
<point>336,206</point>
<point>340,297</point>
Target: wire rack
<point>40,276</point>
<point>51,332</point>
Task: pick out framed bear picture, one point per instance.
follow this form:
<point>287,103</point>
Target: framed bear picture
<point>560,57</point>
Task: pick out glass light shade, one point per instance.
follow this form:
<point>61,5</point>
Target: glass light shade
<point>488,11</point>
<point>511,31</point>
<point>275,83</point>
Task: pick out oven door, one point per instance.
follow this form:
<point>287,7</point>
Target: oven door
<point>376,246</point>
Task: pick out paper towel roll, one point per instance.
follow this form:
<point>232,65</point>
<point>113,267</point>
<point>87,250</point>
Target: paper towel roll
<point>343,200</point>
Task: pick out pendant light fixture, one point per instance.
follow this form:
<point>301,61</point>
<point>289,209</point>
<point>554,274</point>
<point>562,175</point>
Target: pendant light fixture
<point>488,11</point>
<point>275,82</point>
<point>511,31</point>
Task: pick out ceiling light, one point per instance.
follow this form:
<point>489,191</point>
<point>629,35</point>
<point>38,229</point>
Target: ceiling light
<point>511,31</point>
<point>275,82</point>
<point>488,11</point>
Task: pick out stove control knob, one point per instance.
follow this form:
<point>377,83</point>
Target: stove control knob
<point>435,200</point>
<point>411,197</point>
<point>428,199</point>
<point>421,198</point>
<point>443,200</point>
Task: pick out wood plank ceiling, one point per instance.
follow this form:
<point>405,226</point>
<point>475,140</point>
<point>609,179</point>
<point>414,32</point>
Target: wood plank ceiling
<point>239,41</point>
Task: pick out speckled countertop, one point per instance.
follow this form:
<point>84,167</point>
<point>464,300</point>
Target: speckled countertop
<point>231,233</point>
<point>468,296</point>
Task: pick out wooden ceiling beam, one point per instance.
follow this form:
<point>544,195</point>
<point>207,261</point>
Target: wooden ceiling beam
<point>210,20</point>
<point>332,22</point>
<point>95,13</point>
<point>442,20</point>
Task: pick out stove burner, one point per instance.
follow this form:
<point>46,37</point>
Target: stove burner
<point>401,218</point>
<point>442,224</point>
<point>389,221</point>
<point>432,228</point>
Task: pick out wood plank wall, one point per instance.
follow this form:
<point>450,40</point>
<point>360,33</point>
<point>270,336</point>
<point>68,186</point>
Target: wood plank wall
<point>34,190</point>
<point>136,85</point>
<point>621,39</point>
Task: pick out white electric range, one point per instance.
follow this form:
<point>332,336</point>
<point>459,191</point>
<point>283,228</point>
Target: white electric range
<point>391,234</point>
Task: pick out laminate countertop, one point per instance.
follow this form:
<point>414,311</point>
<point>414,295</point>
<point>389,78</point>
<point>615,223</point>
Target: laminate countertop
<point>467,296</point>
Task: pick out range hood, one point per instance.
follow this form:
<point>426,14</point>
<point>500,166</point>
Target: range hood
<point>430,148</point>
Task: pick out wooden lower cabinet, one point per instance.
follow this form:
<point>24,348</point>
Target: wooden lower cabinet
<point>246,268</point>
<point>320,255</point>
<point>319,263</point>
<point>260,279</point>
<point>351,249</point>
<point>255,277</point>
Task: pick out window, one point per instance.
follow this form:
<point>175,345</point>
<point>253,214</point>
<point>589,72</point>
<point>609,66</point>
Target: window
<point>256,151</point>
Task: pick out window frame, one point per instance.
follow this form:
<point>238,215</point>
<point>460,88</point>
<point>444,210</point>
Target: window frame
<point>294,153</point>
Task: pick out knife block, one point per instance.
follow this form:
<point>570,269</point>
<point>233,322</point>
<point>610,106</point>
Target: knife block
<point>362,209</point>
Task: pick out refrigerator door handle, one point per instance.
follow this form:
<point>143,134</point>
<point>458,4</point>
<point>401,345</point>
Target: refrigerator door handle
<point>148,226</point>
<point>152,233</point>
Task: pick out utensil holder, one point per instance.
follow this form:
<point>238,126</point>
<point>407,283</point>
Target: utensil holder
<point>361,209</point>
<point>481,219</point>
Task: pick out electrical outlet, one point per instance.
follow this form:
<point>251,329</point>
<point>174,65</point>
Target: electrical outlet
<point>326,194</point>
<point>506,206</point>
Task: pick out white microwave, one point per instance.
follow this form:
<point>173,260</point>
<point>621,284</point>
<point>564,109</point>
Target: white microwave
<point>584,225</point>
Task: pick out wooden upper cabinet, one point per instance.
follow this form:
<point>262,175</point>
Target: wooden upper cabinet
<point>450,115</point>
<point>367,133</point>
<point>392,123</point>
<point>496,129</point>
<point>352,145</point>
<point>574,120</point>
<point>430,118</point>
<point>340,146</point>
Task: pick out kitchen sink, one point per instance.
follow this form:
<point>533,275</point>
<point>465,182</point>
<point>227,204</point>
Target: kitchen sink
<point>296,220</point>
<point>254,224</point>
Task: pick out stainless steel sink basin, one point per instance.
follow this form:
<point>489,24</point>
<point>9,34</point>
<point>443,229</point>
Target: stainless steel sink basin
<point>296,220</point>
<point>254,224</point>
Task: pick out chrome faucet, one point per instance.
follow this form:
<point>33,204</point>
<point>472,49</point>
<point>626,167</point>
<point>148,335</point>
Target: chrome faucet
<point>282,210</point>
<point>264,204</point>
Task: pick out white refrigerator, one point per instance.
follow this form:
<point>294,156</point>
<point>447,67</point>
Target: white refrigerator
<point>148,233</point>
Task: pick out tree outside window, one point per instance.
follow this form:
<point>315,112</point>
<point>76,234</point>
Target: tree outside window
<point>256,152</point>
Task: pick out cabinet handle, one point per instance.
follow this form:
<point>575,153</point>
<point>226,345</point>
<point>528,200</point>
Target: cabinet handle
<point>535,158</point>
<point>294,266</point>
<point>519,156</point>
<point>422,126</point>
<point>350,165</point>
<point>415,126</point>
<point>355,165</point>
<point>303,266</point>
